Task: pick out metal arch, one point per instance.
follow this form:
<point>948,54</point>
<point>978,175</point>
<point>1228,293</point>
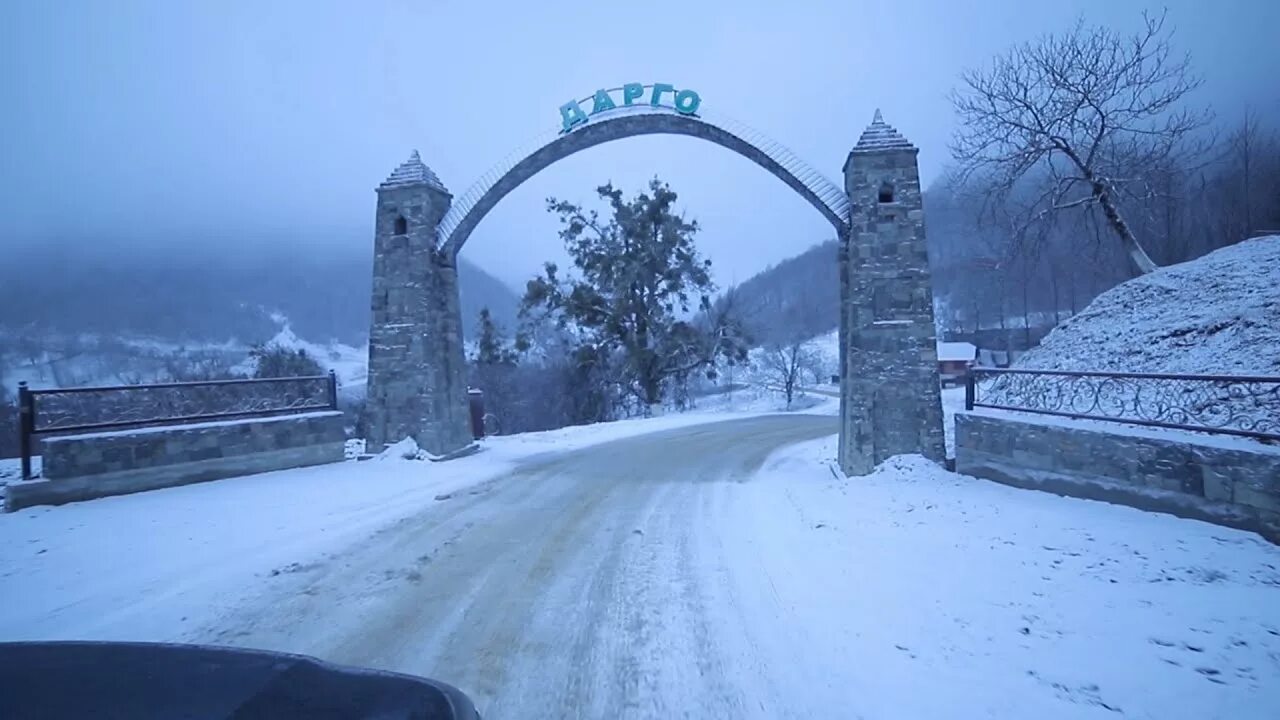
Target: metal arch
<point>469,208</point>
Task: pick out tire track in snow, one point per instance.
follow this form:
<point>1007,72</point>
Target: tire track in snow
<point>536,595</point>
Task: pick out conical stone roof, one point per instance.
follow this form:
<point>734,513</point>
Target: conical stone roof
<point>880,136</point>
<point>413,172</point>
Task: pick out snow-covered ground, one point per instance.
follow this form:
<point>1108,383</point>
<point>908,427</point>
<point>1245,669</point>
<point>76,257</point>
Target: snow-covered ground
<point>88,359</point>
<point>819,400</point>
<point>215,535</point>
<point>1217,314</point>
<point>938,595</point>
<point>115,360</point>
<point>671,567</point>
<point>350,364</point>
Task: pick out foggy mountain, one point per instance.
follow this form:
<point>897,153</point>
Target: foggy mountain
<point>799,296</point>
<point>182,295</point>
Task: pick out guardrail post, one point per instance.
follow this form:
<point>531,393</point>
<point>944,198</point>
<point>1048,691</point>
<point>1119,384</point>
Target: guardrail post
<point>26,426</point>
<point>475,405</point>
<point>333,390</point>
<point>969,388</point>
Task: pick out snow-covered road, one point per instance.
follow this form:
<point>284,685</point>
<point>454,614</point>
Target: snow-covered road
<point>576,585</point>
<point>718,570</point>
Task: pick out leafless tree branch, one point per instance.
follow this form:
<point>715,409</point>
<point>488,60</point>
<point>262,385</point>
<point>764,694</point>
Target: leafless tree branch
<point>1083,120</point>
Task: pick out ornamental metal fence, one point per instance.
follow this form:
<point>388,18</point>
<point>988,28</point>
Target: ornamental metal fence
<point>1242,405</point>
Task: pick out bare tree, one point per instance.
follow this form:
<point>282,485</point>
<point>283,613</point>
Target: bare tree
<point>183,365</point>
<point>1080,118</point>
<point>787,363</point>
<point>1245,142</point>
<point>8,422</point>
<point>1253,157</point>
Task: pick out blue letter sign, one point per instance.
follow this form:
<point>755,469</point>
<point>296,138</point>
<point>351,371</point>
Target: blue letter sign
<point>571,113</point>
<point>602,102</point>
<point>658,89</point>
<point>631,92</point>
<point>685,102</point>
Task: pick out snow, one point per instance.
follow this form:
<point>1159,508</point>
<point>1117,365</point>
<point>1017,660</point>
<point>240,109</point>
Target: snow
<point>828,348</point>
<point>1217,314</point>
<point>413,171</point>
<point>921,593</point>
<point>765,398</point>
<point>956,351</point>
<point>164,558</point>
<point>576,437</point>
<point>156,559</point>
<point>116,359</point>
<point>761,396</point>
<point>405,449</point>
<point>1226,442</point>
<point>11,471</point>
<point>76,360</point>
<point>912,592</point>
<point>350,364</point>
<point>879,135</point>
<point>952,403</point>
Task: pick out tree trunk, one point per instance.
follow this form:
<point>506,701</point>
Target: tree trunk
<point>1244,175</point>
<point>1141,260</point>
<point>1071,288</point>
<point>1026,307</point>
<point>1053,287</point>
<point>652,388</point>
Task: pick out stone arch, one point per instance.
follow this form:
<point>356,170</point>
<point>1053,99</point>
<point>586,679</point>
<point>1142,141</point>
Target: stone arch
<point>889,389</point>
<point>470,208</point>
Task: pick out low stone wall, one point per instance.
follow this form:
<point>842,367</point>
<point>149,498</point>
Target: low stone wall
<point>1223,480</point>
<point>82,467</point>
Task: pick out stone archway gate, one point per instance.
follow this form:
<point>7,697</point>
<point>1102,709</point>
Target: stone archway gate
<point>890,402</point>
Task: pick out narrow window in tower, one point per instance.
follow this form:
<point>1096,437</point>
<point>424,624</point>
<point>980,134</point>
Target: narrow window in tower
<point>886,193</point>
<point>402,225</point>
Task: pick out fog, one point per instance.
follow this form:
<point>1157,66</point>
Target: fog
<point>239,125</point>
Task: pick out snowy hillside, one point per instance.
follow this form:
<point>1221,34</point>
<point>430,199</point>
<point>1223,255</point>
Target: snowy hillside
<point>90,359</point>
<point>800,293</point>
<point>1217,314</point>
<point>350,364</point>
<point>54,359</point>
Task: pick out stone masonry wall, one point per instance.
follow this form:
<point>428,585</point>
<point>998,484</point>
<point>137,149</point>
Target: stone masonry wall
<point>890,396</point>
<point>1223,481</point>
<point>417,381</point>
<point>80,467</point>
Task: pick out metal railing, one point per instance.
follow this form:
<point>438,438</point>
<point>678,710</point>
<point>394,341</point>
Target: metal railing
<point>1242,405</point>
<point>96,409</point>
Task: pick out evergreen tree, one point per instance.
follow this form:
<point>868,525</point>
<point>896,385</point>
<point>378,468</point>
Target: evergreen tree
<point>272,361</point>
<point>493,367</point>
<point>491,347</point>
<point>639,307</point>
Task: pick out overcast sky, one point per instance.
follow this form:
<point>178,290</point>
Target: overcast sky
<point>238,123</point>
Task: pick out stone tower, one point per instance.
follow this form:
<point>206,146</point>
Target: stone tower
<point>417,377</point>
<point>890,397</point>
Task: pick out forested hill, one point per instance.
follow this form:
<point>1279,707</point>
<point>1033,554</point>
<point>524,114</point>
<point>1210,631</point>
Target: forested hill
<point>800,295</point>
<point>186,295</point>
